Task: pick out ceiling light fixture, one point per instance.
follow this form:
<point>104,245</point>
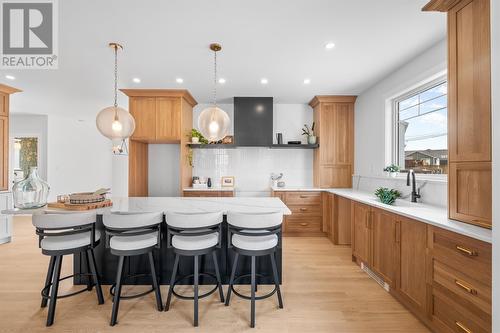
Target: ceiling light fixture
<point>115,122</point>
<point>136,80</point>
<point>307,81</point>
<point>222,80</point>
<point>264,81</point>
<point>329,45</point>
<point>10,77</point>
<point>179,80</point>
<point>213,122</point>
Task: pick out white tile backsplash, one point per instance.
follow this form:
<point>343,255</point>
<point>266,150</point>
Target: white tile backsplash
<point>252,167</point>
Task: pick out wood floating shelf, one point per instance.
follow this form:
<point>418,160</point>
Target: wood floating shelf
<point>232,146</point>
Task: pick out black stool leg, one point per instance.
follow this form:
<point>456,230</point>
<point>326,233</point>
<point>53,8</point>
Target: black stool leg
<point>196,268</point>
<point>231,279</point>
<point>276,280</point>
<point>95,276</point>
<point>156,287</point>
<point>252,295</point>
<point>217,274</point>
<point>87,262</point>
<point>53,292</point>
<point>118,290</point>
<point>172,281</point>
<point>48,279</point>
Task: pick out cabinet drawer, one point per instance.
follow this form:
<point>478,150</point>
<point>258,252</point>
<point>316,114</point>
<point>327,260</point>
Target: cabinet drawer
<point>467,290</point>
<point>305,210</point>
<point>467,255</point>
<point>303,225</point>
<point>303,198</point>
<point>449,316</point>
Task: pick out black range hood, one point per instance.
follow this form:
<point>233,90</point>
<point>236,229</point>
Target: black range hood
<point>253,121</point>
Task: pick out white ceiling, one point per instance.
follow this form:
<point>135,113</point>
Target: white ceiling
<point>281,40</point>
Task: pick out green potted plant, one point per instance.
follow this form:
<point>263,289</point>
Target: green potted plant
<point>309,132</point>
<point>387,196</point>
<point>197,137</point>
<point>392,170</point>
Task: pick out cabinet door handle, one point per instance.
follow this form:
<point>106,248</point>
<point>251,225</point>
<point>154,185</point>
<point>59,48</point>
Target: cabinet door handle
<point>367,217</point>
<point>303,196</point>
<point>397,231</point>
<point>464,250</point>
<point>302,209</point>
<point>304,224</point>
<point>465,287</point>
<point>463,327</point>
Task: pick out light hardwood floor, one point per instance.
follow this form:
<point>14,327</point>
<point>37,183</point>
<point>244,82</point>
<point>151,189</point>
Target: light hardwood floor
<point>323,291</point>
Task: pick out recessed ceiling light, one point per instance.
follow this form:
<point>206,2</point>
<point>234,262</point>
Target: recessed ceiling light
<point>307,81</point>
<point>264,81</point>
<point>136,80</point>
<point>179,80</point>
<point>329,45</point>
<point>222,80</point>
<point>10,77</point>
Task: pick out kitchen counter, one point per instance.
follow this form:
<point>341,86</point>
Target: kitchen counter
<point>223,189</point>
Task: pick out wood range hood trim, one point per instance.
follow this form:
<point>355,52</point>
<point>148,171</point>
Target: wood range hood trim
<point>331,99</point>
<point>439,5</point>
<point>8,89</point>
<point>183,93</point>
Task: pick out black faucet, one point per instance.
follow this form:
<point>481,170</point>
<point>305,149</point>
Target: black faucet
<point>415,194</point>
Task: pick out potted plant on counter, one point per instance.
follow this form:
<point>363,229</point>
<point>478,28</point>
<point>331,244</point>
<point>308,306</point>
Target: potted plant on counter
<point>387,196</point>
<point>309,132</point>
<point>392,170</point>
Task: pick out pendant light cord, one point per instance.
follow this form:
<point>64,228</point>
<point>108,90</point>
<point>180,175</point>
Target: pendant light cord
<point>215,78</point>
<point>116,76</point>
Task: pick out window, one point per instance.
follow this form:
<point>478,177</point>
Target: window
<point>421,122</point>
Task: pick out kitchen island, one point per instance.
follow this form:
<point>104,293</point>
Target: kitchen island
<point>107,263</point>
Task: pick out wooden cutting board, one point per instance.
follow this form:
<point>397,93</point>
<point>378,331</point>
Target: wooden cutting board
<point>90,206</point>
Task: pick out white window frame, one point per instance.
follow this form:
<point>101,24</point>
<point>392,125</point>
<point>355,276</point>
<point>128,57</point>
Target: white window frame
<point>395,125</point>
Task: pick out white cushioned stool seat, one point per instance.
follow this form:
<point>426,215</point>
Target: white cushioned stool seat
<point>192,243</point>
<point>254,243</point>
<point>58,243</point>
<point>130,243</point>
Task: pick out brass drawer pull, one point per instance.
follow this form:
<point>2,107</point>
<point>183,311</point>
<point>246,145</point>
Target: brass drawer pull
<point>466,287</point>
<point>304,224</point>
<point>303,196</point>
<point>302,209</point>
<point>463,327</point>
<point>470,253</point>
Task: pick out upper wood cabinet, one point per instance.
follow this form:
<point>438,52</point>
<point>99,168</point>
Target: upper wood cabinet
<point>334,159</point>
<point>5,92</point>
<point>168,119</point>
<point>143,109</point>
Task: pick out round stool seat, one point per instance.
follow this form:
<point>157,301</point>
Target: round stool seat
<point>67,242</point>
<point>130,243</point>
<point>193,243</point>
<point>254,243</point>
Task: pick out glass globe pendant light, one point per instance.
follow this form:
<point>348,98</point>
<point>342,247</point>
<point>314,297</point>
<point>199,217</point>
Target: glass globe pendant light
<point>115,122</point>
<point>213,122</point>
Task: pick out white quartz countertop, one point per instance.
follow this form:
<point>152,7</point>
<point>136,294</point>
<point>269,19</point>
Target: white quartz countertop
<point>229,189</point>
<point>434,215</point>
<point>182,204</point>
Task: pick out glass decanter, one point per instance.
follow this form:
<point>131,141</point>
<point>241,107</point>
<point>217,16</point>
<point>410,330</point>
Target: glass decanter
<point>31,192</point>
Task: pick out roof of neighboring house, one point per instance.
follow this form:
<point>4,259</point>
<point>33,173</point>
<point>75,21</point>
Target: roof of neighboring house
<point>434,153</point>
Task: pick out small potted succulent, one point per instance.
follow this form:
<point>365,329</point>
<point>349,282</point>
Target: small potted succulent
<point>197,137</point>
<point>387,196</point>
<point>309,132</point>
<point>392,170</point>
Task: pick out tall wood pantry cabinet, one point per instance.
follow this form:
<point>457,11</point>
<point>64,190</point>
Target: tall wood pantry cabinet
<point>469,109</point>
<point>334,125</point>
<point>161,116</point>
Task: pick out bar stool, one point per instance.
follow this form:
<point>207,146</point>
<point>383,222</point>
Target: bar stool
<point>130,235</point>
<point>254,235</point>
<point>194,235</point>
<point>62,234</point>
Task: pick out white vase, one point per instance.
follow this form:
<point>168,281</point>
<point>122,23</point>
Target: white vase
<point>195,139</point>
<point>311,139</point>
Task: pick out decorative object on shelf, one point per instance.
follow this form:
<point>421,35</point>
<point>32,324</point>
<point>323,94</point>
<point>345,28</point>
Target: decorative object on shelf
<point>227,181</point>
<point>309,132</point>
<point>198,137</point>
<point>387,196</point>
<point>228,140</point>
<point>213,122</point>
<point>281,184</point>
<point>392,170</point>
<point>279,138</point>
<point>209,182</point>
<point>294,142</point>
<point>115,122</point>
<point>31,192</point>
<point>275,178</point>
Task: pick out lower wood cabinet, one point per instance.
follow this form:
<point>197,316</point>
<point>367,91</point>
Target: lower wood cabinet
<point>208,193</point>
<point>361,232</point>
<point>337,218</point>
<point>384,244</point>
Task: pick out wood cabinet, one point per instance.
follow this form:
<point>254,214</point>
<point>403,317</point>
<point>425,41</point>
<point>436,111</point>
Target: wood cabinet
<point>208,193</point>
<point>334,159</point>
<point>161,116</point>
<point>469,109</point>
<point>337,216</point>
<point>307,213</point>
<point>361,232</point>
<point>384,246</point>
<point>5,92</point>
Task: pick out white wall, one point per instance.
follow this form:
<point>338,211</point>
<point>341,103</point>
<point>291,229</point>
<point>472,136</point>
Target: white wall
<point>373,121</point>
<point>495,80</point>
<point>252,167</point>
